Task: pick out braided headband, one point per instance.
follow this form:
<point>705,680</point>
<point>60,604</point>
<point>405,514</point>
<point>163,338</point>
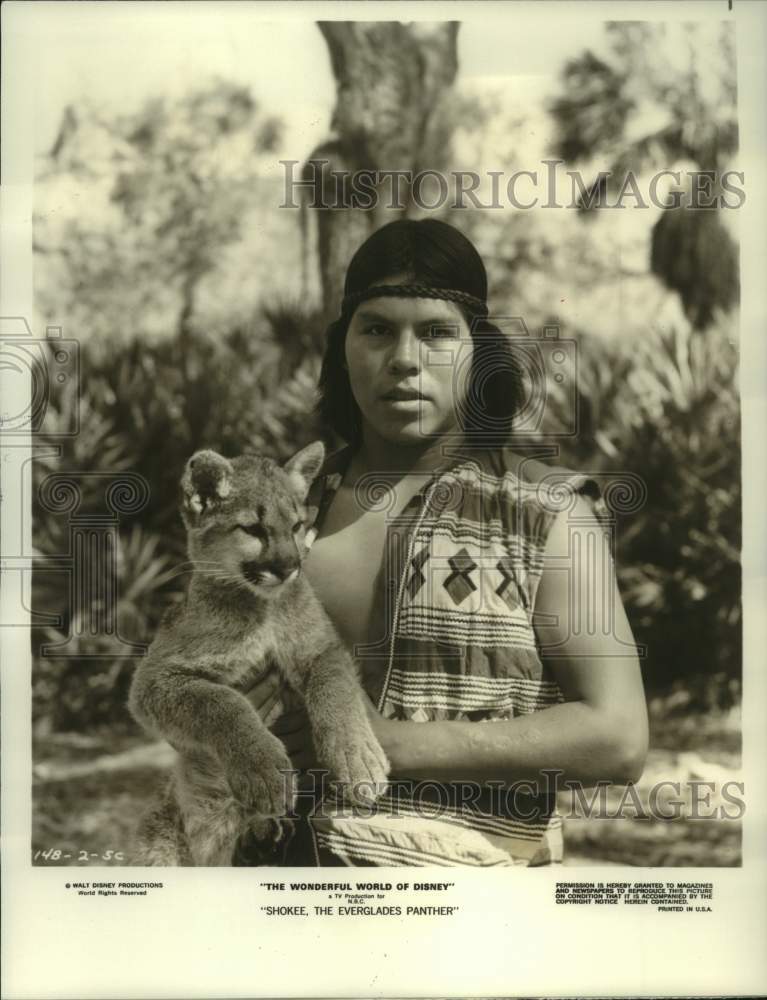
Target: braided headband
<point>413,291</point>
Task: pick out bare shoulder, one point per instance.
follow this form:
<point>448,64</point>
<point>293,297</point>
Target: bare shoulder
<point>572,529</point>
<point>532,469</point>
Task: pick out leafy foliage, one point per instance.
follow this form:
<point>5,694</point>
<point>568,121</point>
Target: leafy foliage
<point>175,182</point>
<point>667,411</point>
<point>248,391</point>
<point>166,192</point>
<point>593,109</point>
<point>686,244</point>
<point>659,92</point>
<point>664,95</point>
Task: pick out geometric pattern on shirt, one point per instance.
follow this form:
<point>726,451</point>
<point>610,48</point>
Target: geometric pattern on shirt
<point>498,514</point>
<point>460,584</point>
<point>507,588</point>
<point>417,579</point>
<point>516,559</point>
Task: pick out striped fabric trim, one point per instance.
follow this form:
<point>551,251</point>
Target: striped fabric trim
<point>529,686</point>
<point>350,850</point>
<point>507,832</point>
<point>412,839</point>
<point>505,702</point>
<point>457,616</point>
<point>481,822</point>
<point>491,533</point>
<point>551,496</point>
<point>467,628</point>
<point>417,709</point>
<point>401,591</point>
<point>465,692</point>
<point>417,840</point>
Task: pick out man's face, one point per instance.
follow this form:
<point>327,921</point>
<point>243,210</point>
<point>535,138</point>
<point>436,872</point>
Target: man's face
<point>409,362</point>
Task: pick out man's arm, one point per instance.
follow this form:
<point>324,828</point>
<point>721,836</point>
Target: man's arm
<point>599,732</point>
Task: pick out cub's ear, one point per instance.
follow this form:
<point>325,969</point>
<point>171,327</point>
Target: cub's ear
<point>207,480</point>
<point>304,466</point>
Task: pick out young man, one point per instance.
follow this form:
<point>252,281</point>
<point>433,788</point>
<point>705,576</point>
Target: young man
<point>472,583</point>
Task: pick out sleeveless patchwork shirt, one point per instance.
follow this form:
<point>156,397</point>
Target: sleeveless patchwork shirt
<point>455,599</point>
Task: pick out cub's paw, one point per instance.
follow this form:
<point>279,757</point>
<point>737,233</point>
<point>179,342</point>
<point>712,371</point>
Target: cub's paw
<point>265,842</point>
<point>262,778</point>
<point>356,760</point>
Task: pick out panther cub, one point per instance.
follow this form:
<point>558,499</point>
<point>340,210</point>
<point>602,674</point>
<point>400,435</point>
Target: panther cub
<point>248,605</point>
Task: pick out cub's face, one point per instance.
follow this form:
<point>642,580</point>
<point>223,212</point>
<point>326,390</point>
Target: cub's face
<point>245,517</point>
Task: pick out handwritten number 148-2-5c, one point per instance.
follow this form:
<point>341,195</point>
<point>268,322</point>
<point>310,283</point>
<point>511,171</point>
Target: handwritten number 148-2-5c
<point>56,854</point>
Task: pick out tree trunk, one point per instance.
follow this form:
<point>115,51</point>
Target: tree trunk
<point>393,87</point>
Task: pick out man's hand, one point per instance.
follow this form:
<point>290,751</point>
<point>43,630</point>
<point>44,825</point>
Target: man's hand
<point>265,696</point>
<point>293,729</point>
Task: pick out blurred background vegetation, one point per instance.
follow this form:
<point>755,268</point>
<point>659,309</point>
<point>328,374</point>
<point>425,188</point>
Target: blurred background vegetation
<point>149,268</point>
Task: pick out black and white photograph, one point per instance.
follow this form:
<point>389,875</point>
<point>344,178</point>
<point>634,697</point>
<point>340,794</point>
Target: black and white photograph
<point>374,468</point>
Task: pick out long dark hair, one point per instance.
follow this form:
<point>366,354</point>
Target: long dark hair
<point>430,252</point>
